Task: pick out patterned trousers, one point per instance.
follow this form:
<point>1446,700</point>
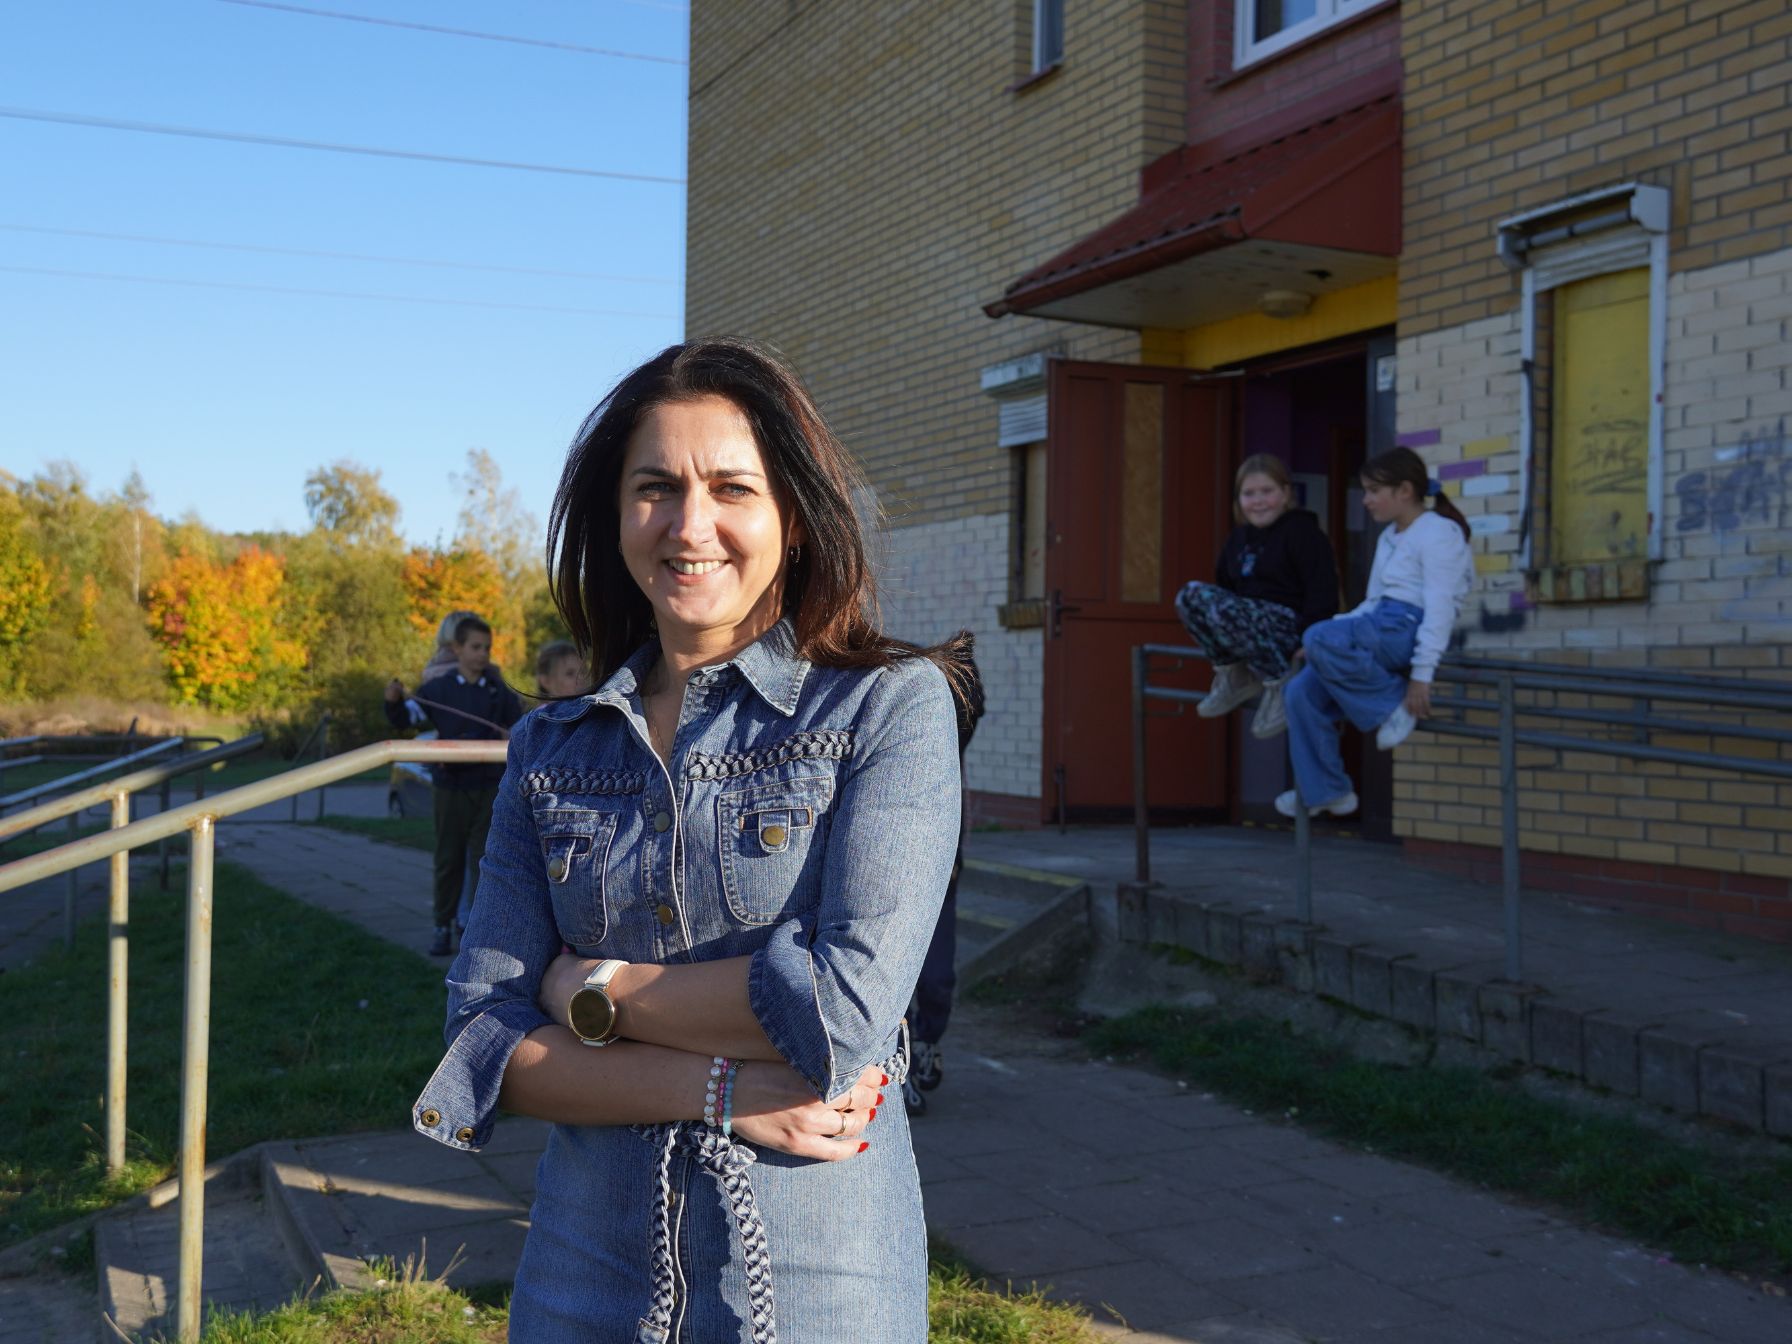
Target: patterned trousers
<point>1233,629</point>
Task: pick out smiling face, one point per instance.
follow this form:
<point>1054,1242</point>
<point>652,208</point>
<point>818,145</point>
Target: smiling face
<point>1261,500</point>
<point>703,532</point>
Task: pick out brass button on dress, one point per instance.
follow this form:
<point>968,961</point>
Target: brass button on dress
<point>431,1118</point>
<point>464,1134</point>
<point>557,870</point>
<point>773,836</point>
<point>665,914</point>
<point>662,822</point>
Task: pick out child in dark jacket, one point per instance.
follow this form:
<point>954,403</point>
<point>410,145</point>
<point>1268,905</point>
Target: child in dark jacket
<point>1275,578</point>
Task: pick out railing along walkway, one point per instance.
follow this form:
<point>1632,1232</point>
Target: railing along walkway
<point>1493,716</point>
<point>199,820</point>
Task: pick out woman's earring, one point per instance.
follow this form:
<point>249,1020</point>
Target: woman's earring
<point>796,554</point>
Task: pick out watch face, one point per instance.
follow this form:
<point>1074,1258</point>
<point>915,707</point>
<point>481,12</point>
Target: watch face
<point>591,1013</point>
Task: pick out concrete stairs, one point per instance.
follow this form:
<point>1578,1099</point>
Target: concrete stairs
<point>1009,915</point>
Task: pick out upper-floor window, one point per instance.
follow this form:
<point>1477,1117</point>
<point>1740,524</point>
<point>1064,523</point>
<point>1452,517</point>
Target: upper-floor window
<point>1266,26</point>
<point>1048,34</point>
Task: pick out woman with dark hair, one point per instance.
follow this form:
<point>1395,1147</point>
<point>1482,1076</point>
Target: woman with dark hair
<point>743,836</point>
<point>1374,665</point>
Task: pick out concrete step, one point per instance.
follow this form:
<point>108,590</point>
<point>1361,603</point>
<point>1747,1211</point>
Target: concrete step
<point>137,1255</point>
<point>1008,914</point>
<point>342,1202</point>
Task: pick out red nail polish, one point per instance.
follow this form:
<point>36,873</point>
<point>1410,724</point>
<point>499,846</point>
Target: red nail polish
<point>884,1080</point>
<point>863,1147</point>
<point>880,1100</point>
<point>872,1116</point>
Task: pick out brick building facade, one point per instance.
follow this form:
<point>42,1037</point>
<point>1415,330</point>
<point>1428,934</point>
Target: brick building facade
<point>1514,108</point>
<point>990,243</point>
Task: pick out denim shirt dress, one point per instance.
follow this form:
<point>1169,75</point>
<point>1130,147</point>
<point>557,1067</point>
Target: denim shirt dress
<point>808,819</point>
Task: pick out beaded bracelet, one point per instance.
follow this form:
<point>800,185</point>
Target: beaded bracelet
<point>716,1107</point>
<point>728,1100</point>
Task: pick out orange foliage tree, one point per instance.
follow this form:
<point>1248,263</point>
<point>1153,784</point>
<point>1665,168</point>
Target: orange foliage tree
<point>224,630</point>
<point>26,581</point>
<point>462,579</point>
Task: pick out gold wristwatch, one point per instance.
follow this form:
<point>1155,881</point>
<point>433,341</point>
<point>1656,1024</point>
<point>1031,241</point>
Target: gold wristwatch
<point>591,1012</point>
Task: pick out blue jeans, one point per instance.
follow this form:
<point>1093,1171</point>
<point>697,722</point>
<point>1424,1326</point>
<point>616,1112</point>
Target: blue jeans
<point>1356,669</point>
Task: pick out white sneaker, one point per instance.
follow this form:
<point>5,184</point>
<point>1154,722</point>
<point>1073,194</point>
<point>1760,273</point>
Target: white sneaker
<point>1396,728</point>
<point>1233,684</point>
<point>1286,803</point>
<point>1271,719</point>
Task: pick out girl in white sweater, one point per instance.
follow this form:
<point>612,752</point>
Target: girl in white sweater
<point>1374,665</point>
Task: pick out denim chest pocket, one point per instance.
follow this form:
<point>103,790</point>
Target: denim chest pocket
<point>771,838</point>
<point>575,848</point>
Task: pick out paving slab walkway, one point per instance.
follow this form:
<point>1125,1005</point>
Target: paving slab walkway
<point>1182,1216</point>
<point>1363,891</point>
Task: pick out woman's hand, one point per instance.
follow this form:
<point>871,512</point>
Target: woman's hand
<point>561,980</point>
<point>1418,699</point>
<point>774,1108</point>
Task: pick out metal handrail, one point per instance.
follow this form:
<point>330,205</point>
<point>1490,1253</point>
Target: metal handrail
<point>136,782</point>
<point>93,772</point>
<point>200,819</point>
<point>1507,677</point>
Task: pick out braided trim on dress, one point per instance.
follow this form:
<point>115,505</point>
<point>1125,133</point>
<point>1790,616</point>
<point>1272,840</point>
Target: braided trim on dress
<point>823,744</point>
<point>728,1162</point>
<point>557,780</point>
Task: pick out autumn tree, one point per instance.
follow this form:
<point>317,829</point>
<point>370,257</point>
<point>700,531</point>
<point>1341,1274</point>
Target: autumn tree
<point>26,585</point>
<point>347,501</point>
<point>224,631</point>
<point>437,582</point>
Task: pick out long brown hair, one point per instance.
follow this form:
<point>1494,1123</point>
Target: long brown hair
<point>1260,464</point>
<point>1402,465</point>
<point>830,595</point>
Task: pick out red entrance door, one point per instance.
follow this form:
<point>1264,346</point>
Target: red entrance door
<point>1137,490</point>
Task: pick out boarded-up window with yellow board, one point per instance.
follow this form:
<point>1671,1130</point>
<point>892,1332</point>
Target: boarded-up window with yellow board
<point>1599,426</point>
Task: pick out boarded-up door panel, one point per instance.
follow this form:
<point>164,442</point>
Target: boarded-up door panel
<point>1137,490</point>
<point>1599,495</point>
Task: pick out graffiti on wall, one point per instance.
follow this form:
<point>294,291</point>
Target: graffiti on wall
<point>1750,486</point>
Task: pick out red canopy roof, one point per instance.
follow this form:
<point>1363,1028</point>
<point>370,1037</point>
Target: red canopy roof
<point>1334,184</point>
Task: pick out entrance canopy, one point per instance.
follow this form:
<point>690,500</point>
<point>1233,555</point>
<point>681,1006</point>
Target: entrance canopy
<point>1312,211</point>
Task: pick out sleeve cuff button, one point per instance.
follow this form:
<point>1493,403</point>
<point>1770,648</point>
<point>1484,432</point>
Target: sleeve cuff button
<point>431,1118</point>
<point>464,1134</point>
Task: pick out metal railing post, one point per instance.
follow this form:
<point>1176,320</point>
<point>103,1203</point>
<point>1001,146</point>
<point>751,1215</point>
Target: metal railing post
<point>118,947</point>
<point>195,1060</point>
<point>162,845</point>
<point>1141,820</point>
<point>68,899</point>
<point>1509,864</point>
<point>1303,862</point>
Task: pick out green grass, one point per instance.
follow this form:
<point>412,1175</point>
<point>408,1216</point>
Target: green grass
<point>414,832</point>
<point>1704,1203</point>
<point>317,1028</point>
<point>411,1309</point>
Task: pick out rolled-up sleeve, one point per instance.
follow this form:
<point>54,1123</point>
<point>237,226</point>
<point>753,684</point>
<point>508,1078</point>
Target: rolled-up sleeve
<point>831,985</point>
<point>509,941</point>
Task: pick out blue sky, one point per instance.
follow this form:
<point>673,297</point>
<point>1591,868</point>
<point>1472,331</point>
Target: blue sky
<point>224,398</point>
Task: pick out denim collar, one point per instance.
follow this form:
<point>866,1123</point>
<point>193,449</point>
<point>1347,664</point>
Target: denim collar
<point>770,665</point>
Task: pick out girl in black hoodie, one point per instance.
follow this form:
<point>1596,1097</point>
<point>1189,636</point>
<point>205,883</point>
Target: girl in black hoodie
<point>1275,577</point>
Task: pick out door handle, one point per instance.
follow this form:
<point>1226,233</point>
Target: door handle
<point>1058,610</point>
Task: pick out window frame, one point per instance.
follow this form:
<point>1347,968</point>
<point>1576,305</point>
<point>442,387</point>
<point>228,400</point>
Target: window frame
<point>1247,50</point>
<point>1044,62</point>
<point>1588,234</point>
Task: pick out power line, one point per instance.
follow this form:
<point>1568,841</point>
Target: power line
<point>323,293</point>
<point>336,256</point>
<point>454,32</point>
<point>243,138</point>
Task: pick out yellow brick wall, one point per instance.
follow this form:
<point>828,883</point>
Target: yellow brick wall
<point>1512,104</point>
<point>864,178</point>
